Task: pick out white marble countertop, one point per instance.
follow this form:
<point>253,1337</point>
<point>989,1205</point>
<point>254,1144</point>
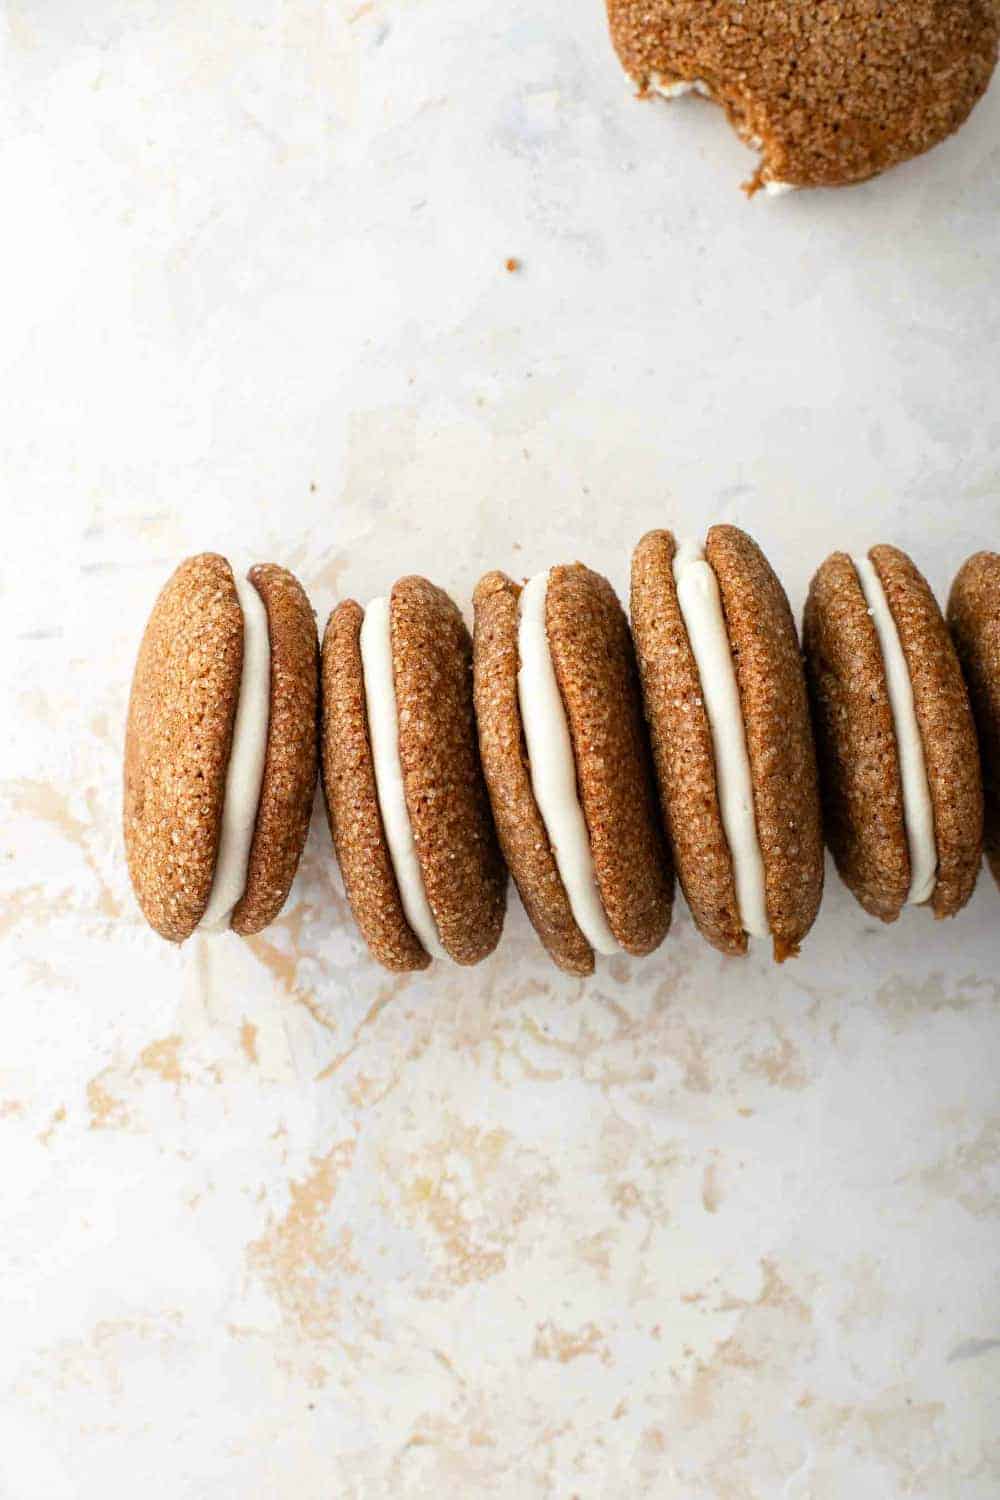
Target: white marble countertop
<point>276,1225</point>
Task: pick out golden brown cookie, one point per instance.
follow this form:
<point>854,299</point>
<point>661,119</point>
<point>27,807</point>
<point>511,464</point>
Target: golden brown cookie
<point>594,667</point>
<point>974,618</point>
<point>352,799</point>
<point>523,838</point>
<point>828,93</point>
<point>182,711</point>
<point>777,730</point>
<point>461,867</point>
<point>856,737</point>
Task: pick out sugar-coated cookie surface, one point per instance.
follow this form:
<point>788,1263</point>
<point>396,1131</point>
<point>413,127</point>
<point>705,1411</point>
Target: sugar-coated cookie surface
<point>464,874</point>
<point>951,751</point>
<point>855,741</point>
<point>286,793</point>
<point>829,91</point>
<point>595,666</point>
<point>682,745</point>
<point>521,830</point>
<point>856,736</point>
<point>974,619</point>
<point>352,799</point>
<point>180,727</point>
<point>779,735</point>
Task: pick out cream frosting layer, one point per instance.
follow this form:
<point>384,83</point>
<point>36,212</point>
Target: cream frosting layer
<point>701,608</point>
<point>383,729</point>
<point>553,768</point>
<point>918,811</point>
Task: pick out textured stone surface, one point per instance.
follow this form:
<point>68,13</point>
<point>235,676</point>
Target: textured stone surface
<point>276,1222</point>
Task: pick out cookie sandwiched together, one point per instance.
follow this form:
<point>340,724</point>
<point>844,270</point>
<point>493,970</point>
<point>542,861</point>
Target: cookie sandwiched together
<point>407,806</point>
<point>974,619</point>
<point>567,764</point>
<point>828,92</point>
<point>220,748</point>
<point>728,716</point>
<point>899,765</point>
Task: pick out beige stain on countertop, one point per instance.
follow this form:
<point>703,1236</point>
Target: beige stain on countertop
<point>163,1058</point>
<point>295,1256</point>
<point>42,801</point>
<point>283,967</point>
<point>473,1191</point>
<point>248,1041</point>
<point>107,1112</point>
<point>564,1345</point>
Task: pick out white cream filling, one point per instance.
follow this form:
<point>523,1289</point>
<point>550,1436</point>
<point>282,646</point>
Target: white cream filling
<point>246,761</point>
<point>679,87</point>
<point>383,729</point>
<point>918,812</point>
<point>553,768</point>
<point>701,609</point>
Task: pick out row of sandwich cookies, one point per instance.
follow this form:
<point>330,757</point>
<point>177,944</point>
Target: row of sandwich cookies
<point>588,758</point>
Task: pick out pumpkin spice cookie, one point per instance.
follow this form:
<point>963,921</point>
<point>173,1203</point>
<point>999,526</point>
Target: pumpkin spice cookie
<point>407,807</point>
<point>567,765</point>
<point>220,748</point>
<point>974,618</point>
<point>899,765</point>
<point>828,93</point>
<point>728,717</point>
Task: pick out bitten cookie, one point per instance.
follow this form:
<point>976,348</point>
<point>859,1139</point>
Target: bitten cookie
<point>974,618</point>
<point>567,764</point>
<point>828,93</point>
<point>220,748</point>
<point>726,704</point>
<point>899,765</point>
<point>407,806</point>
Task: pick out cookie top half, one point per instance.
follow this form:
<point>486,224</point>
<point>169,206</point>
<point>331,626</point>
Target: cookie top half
<point>778,736</point>
<point>352,799</point>
<point>857,740</point>
<point>520,826</point>
<point>177,741</point>
<point>974,619</point>
<point>291,760</point>
<point>179,735</point>
<point>830,93</point>
<point>594,661</point>
<point>461,867</point>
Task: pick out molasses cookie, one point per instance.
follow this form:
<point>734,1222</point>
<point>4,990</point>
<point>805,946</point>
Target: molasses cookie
<point>974,618</point>
<point>220,748</point>
<point>567,764</point>
<point>828,93</point>
<point>407,807</point>
<point>728,716</point>
<point>899,766</point>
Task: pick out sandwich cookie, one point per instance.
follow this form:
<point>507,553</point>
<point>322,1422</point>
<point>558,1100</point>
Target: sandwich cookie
<point>828,94</point>
<point>407,807</point>
<point>220,748</point>
<point>974,618</point>
<point>899,766</point>
<point>567,765</point>
<point>728,717</point>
